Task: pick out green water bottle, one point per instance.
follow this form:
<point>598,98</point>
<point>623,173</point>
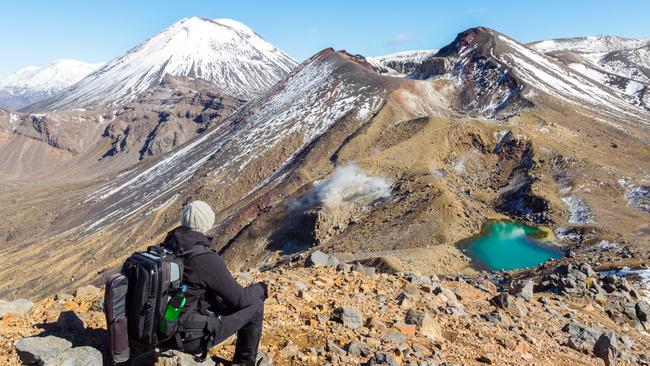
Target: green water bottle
<point>174,307</point>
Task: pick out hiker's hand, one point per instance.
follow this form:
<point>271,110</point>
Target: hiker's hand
<point>265,287</point>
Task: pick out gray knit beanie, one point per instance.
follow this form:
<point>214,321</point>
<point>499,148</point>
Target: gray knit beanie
<point>197,216</point>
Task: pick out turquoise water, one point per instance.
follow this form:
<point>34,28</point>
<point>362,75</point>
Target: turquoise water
<point>504,245</point>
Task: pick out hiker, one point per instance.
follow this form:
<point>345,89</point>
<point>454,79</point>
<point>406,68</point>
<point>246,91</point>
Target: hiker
<point>216,305</point>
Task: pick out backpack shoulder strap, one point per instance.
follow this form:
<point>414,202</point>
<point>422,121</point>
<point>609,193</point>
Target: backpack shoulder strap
<point>194,252</point>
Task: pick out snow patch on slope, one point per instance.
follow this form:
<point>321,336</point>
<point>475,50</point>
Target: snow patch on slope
<point>579,211</point>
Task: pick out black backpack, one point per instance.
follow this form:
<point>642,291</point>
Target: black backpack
<point>136,299</point>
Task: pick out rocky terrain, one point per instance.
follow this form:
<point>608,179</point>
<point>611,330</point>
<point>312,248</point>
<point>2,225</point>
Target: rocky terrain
<point>387,170</point>
<point>326,312</point>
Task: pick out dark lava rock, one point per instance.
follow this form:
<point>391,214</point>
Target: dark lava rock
<point>70,321</point>
<point>606,347</point>
<point>414,317</point>
<point>484,359</point>
<point>643,310</point>
<point>494,317</point>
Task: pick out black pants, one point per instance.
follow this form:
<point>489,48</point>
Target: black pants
<point>246,322</point>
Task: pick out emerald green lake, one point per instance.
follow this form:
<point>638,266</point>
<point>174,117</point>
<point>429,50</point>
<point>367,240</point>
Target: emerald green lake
<point>504,245</point>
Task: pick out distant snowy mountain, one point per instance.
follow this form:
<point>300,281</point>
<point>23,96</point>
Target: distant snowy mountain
<point>620,64</point>
<point>33,83</point>
<point>222,51</point>
<point>589,44</point>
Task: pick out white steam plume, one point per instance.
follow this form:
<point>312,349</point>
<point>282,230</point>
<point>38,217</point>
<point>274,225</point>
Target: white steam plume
<point>347,184</point>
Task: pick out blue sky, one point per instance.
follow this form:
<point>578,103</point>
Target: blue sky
<point>36,32</point>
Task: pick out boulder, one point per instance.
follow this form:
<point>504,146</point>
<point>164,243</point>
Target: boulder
<point>320,259</point>
<point>344,267</point>
<point>523,289</point>
<point>70,321</point>
<point>87,292</point>
<point>587,270</point>
<point>449,294</point>
<point>426,324</point>
<point>20,307</point>
<point>606,348</point>
<point>486,359</point>
<point>375,323</point>
<point>290,350</point>
<point>382,359</point>
<point>494,317</point>
<point>629,309</point>
<point>509,303</point>
<point>642,310</point>
<point>395,337</point>
<point>359,349</point>
<point>78,356</point>
<point>419,280</point>
<point>487,286</point>
<point>368,271</point>
<point>502,300</point>
<point>348,316</point>
<point>581,337</point>
<point>431,328</point>
<point>414,317</point>
<point>263,359</point>
<point>332,347</point>
<point>38,350</point>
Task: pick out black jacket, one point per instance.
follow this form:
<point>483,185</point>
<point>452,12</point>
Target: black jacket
<point>206,275</point>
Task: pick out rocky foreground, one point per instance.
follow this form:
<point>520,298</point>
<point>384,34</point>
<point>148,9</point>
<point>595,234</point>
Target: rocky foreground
<point>324,312</point>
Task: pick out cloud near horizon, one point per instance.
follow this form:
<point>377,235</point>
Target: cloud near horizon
<point>399,39</point>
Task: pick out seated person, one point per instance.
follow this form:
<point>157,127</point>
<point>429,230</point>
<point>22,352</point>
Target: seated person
<point>216,305</point>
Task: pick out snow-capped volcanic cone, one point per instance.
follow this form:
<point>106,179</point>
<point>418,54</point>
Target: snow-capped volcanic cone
<point>222,51</point>
<point>33,83</point>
